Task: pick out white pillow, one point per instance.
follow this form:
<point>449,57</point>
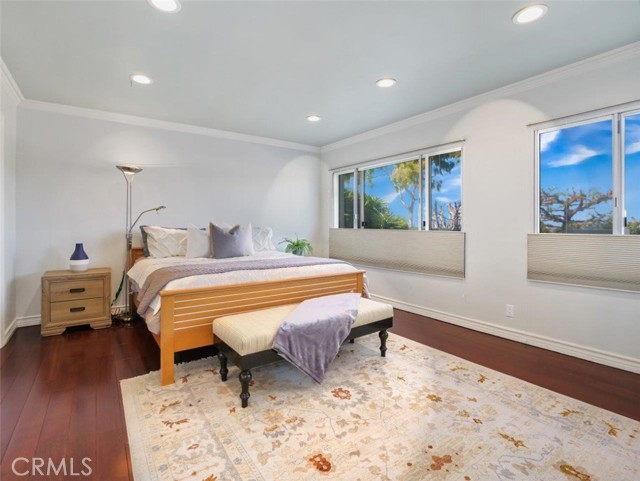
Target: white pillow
<point>197,242</point>
<point>164,242</point>
<point>262,239</point>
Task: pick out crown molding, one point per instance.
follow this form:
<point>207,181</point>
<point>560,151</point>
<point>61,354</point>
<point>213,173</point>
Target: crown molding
<point>621,54</point>
<point>14,90</point>
<point>162,124</point>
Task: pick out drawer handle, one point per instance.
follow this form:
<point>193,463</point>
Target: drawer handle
<point>77,309</point>
<point>77,290</point>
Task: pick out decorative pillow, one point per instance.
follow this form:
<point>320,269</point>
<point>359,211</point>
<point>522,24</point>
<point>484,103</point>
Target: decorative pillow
<point>235,242</point>
<point>145,242</point>
<point>197,242</point>
<point>222,225</point>
<point>262,239</point>
<point>165,242</point>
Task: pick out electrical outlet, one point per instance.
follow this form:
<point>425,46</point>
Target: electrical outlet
<point>510,311</point>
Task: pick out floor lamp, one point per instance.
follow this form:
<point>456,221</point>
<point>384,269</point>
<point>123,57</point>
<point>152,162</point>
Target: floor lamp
<point>129,171</point>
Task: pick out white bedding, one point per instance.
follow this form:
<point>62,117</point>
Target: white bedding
<point>144,267</point>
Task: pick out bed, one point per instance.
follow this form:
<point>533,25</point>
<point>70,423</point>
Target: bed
<point>180,316</point>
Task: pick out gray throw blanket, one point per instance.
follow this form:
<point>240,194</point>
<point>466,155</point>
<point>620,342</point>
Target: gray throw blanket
<point>310,337</point>
<point>156,281</point>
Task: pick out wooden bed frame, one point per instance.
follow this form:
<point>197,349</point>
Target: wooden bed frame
<point>186,315</point>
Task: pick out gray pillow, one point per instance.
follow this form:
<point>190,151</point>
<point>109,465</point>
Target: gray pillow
<point>235,242</point>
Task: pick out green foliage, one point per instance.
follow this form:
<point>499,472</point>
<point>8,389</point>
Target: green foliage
<point>299,247</point>
<point>634,226</point>
<point>379,216</point>
<point>376,211</point>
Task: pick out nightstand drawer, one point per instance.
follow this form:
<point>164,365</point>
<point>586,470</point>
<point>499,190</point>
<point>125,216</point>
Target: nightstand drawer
<point>77,310</point>
<point>80,289</point>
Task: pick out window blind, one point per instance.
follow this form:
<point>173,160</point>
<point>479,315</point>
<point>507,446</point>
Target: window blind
<point>428,252</point>
<point>609,261</point>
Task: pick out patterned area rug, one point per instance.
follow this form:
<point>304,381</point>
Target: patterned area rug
<point>418,414</point>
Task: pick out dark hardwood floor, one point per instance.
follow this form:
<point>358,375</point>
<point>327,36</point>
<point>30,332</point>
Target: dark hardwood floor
<point>60,396</point>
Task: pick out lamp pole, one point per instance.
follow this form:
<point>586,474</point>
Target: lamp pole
<point>128,171</point>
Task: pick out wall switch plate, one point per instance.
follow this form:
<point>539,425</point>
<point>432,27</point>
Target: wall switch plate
<point>510,311</point>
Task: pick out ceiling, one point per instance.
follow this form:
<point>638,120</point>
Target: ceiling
<point>261,68</point>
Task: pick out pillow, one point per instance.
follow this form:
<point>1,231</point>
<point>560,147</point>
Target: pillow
<point>165,242</point>
<point>197,242</point>
<point>262,239</point>
<point>235,242</point>
<point>145,242</point>
<point>145,246</point>
<point>222,225</point>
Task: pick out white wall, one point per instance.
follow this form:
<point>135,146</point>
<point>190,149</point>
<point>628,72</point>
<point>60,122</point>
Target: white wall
<point>9,99</point>
<point>68,189</point>
<point>498,205</point>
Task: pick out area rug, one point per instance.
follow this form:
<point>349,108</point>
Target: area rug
<point>418,414</point>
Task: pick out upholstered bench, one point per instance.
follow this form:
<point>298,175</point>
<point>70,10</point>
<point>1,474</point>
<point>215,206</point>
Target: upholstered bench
<point>247,338</point>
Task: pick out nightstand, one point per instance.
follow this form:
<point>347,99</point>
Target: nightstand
<point>74,298</point>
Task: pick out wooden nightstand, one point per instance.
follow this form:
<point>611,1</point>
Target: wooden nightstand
<point>74,298</point>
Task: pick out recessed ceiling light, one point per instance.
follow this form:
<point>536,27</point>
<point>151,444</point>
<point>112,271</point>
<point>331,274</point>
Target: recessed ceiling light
<point>529,14</point>
<point>386,82</point>
<point>170,6</point>
<point>313,118</point>
<point>141,79</point>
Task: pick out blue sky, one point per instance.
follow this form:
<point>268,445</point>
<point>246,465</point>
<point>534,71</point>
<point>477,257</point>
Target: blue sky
<point>581,157</point>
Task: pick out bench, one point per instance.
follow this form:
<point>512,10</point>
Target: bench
<point>247,338</point>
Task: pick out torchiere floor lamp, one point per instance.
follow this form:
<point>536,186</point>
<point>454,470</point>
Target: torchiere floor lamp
<point>129,314</point>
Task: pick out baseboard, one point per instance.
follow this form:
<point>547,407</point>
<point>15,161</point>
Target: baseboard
<point>28,321</point>
<point>574,350</point>
<point>8,332</point>
<point>19,322</point>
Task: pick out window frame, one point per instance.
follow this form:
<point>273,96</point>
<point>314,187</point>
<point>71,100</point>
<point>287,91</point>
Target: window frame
<point>336,200</point>
<point>616,115</point>
<point>422,156</point>
<point>623,159</point>
<point>432,153</point>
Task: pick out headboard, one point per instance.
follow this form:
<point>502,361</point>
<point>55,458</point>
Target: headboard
<point>136,253</point>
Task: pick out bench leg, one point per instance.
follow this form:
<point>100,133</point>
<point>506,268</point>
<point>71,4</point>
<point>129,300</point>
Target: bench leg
<point>383,342</point>
<point>223,365</point>
<point>245,379</point>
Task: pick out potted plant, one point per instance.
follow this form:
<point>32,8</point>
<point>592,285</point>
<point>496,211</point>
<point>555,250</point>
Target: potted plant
<point>299,247</point>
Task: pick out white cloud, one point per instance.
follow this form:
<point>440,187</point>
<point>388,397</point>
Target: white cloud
<point>632,138</point>
<point>444,200</point>
<point>579,154</point>
<point>390,197</point>
<point>633,147</point>
<point>547,139</point>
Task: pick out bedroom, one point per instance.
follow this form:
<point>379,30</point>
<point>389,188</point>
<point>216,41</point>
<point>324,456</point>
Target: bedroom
<point>68,122</point>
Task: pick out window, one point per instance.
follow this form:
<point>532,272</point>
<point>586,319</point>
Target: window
<point>589,175</point>
<point>417,192</point>
<point>631,163</point>
<point>445,199</point>
<point>346,184</point>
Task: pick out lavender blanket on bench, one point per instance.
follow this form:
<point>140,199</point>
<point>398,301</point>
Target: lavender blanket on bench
<point>310,337</point>
<point>159,278</point>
